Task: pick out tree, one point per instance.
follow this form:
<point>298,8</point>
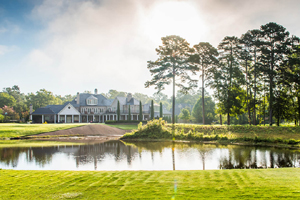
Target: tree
<point>142,97</point>
<point>210,110</point>
<point>160,110</point>
<point>118,111</point>
<point>249,53</point>
<point>1,115</point>
<point>274,47</point>
<point>173,63</point>
<point>185,114</point>
<point>204,57</point>
<point>227,78</point>
<point>9,113</point>
<point>42,98</point>
<point>141,112</point>
<point>112,94</point>
<point>6,99</point>
<point>15,92</point>
<point>152,110</point>
<point>289,82</point>
<point>129,114</point>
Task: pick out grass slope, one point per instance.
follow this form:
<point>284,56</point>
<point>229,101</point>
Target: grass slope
<point>33,143</point>
<point>158,129</point>
<point>123,126</point>
<point>212,184</point>
<point>18,130</point>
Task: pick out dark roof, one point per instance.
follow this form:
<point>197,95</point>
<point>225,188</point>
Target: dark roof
<point>43,111</point>
<point>102,101</point>
<point>56,108</point>
<point>133,101</point>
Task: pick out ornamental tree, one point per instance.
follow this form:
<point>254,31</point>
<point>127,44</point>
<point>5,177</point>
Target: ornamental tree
<point>118,111</point>
<point>141,112</point>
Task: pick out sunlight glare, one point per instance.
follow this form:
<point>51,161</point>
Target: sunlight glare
<point>174,18</point>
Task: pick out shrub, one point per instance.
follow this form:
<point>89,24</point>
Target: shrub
<point>154,129</point>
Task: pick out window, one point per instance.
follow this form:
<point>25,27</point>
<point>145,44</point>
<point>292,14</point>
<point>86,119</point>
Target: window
<point>92,100</point>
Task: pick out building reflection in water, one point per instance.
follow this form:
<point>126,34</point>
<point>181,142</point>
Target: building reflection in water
<point>114,155</point>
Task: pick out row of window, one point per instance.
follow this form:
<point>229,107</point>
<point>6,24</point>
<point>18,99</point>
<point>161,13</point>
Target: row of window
<point>95,110</point>
<point>92,101</point>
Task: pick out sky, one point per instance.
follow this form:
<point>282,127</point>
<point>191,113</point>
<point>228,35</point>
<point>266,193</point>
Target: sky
<point>70,46</point>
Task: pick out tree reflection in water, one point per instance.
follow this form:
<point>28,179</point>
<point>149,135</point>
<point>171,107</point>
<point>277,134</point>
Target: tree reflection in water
<point>244,157</point>
<point>144,155</point>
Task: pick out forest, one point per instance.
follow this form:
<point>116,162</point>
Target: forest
<point>254,77</point>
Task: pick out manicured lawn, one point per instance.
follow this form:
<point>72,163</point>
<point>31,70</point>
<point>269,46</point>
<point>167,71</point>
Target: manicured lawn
<point>18,130</point>
<point>33,143</point>
<point>211,184</point>
<point>124,126</point>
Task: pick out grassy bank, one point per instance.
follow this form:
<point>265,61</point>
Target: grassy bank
<point>33,143</point>
<point>124,126</point>
<point>19,130</point>
<point>212,184</point>
<point>158,129</point>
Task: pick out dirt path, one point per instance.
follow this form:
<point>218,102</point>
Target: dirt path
<point>89,130</point>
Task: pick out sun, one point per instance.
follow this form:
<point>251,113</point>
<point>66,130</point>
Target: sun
<point>174,18</point>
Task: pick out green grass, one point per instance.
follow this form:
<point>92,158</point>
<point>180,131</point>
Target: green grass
<point>157,129</point>
<point>211,184</point>
<point>239,131</point>
<point>33,143</point>
<point>123,126</point>
<point>18,130</point>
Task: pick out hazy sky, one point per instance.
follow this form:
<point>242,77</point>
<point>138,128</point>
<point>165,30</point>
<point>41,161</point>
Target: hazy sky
<point>68,46</point>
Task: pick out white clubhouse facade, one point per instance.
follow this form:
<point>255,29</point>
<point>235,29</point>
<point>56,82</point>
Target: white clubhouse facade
<point>96,108</point>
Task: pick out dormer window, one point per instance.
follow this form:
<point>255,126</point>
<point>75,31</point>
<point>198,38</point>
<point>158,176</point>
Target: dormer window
<point>92,100</point>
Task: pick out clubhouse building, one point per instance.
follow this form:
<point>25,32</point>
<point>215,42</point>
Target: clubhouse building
<point>95,107</point>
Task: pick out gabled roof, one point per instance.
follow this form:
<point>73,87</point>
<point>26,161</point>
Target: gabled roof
<point>123,101</point>
<point>102,101</point>
<point>56,108</point>
<point>92,97</point>
<point>133,101</point>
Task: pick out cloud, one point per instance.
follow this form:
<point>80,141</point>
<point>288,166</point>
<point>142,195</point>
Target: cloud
<point>5,49</point>
<point>104,43</point>
<point>92,44</point>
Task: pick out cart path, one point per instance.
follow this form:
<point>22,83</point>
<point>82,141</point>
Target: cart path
<point>88,130</point>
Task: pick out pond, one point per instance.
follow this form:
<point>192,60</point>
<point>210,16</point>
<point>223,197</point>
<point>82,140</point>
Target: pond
<point>117,155</point>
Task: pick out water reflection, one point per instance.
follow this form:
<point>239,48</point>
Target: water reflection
<point>116,155</point>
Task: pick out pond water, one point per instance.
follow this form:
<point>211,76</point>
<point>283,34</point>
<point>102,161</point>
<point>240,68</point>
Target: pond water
<point>116,155</point>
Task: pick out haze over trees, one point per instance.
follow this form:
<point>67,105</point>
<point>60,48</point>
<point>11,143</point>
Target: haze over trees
<point>255,79</point>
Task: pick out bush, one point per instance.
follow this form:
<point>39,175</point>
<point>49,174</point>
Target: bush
<point>154,129</point>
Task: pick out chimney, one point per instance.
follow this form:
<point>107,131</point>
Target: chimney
<point>78,98</point>
<point>96,91</point>
<point>129,97</point>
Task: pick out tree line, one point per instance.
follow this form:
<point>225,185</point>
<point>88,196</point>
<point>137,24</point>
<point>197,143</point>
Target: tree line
<point>14,105</point>
<point>255,76</point>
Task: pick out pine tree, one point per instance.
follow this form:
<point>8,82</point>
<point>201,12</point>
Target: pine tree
<point>173,62</point>
<point>274,46</point>
<point>204,57</point>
